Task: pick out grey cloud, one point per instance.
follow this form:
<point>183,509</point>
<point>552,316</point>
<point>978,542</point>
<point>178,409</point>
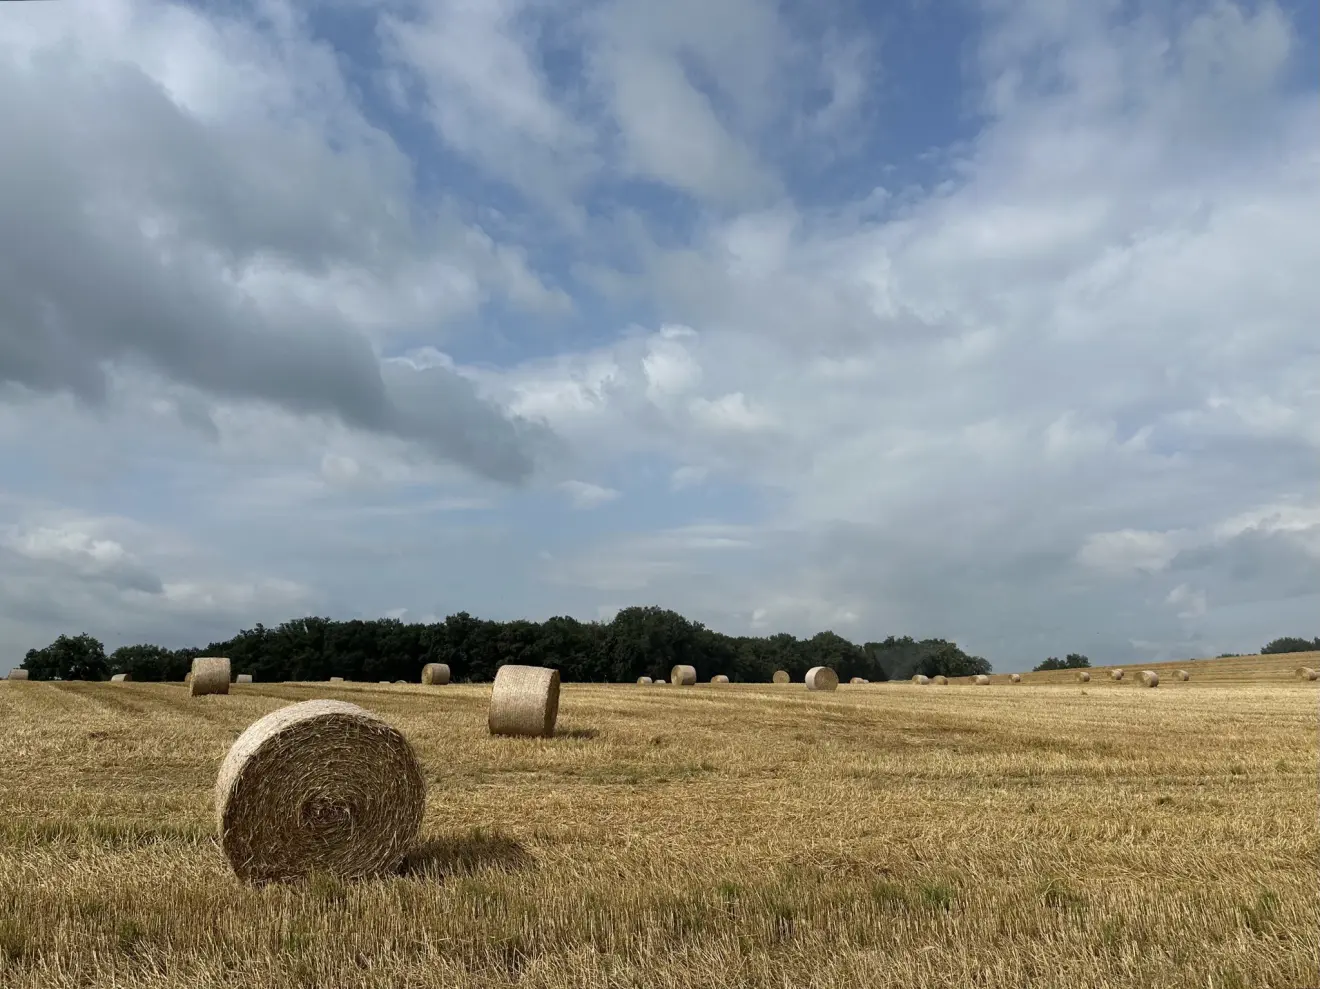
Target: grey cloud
<point>101,158</point>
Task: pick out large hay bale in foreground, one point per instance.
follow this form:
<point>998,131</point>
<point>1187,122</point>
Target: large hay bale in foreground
<point>781,676</point>
<point>1116,674</point>
<point>120,678</point>
<point>18,674</point>
<point>1149,678</point>
<point>980,679</point>
<point>719,678</point>
<point>435,674</point>
<point>821,678</point>
<point>243,678</point>
<point>940,680</point>
<point>320,786</point>
<point>1084,677</point>
<point>645,681</point>
<point>921,680</point>
<point>1182,675</point>
<point>210,675</point>
<point>524,701</point>
<point>1015,678</point>
<point>683,676</point>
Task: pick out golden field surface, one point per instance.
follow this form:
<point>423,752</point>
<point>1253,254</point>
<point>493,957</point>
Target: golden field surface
<point>1046,834</point>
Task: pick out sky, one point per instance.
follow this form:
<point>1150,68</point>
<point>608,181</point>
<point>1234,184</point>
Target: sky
<point>993,321</point>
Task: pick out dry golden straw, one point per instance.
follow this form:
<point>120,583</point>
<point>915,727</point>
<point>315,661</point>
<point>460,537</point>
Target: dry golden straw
<point>120,678</point>
<point>683,676</point>
<point>1149,678</point>
<point>210,675</point>
<point>719,678</point>
<point>435,674</point>
<point>1084,677</point>
<point>321,786</point>
<point>1312,674</point>
<point>524,701</point>
<point>980,679</point>
<point>1183,675</point>
<point>781,676</point>
<point>921,680</point>
<point>336,679</point>
<point>821,678</point>
<point>187,677</point>
<point>243,678</point>
<point>18,674</point>
<point>940,680</point>
<point>1015,677</point>
<point>1116,674</point>
<point>645,680</point>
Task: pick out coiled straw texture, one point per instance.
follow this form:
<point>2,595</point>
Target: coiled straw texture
<point>719,678</point>
<point>1084,677</point>
<point>921,680</point>
<point>18,674</point>
<point>940,680</point>
<point>1149,678</point>
<point>781,676</point>
<point>524,701</point>
<point>683,676</point>
<point>1015,678</point>
<point>320,786</point>
<point>981,680</point>
<point>435,674</point>
<point>210,675</point>
<point>822,678</point>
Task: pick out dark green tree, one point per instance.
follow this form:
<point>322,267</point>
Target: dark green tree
<point>1073,661</point>
<point>1291,644</point>
<point>69,657</point>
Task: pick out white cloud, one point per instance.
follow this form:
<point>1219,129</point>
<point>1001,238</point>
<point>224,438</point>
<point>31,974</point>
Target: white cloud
<point>584,494</point>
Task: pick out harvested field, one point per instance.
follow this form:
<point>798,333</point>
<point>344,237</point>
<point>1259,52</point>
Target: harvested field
<point>1056,834</point>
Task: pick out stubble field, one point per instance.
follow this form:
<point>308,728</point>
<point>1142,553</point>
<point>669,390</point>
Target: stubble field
<point>1046,834</point>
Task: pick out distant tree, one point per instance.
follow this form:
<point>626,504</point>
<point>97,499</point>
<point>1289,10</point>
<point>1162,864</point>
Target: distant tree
<point>1291,644</point>
<point>1073,661</point>
<point>70,657</point>
<point>146,662</point>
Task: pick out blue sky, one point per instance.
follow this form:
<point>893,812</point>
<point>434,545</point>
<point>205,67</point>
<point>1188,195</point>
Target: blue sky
<point>982,320</point>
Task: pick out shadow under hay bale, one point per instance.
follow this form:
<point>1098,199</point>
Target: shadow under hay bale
<point>822,678</point>
<point>435,674</point>
<point>210,675</point>
<point>524,701</point>
<point>439,858</point>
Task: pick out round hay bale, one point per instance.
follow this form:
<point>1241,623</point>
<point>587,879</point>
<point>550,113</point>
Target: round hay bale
<point>940,680</point>
<point>856,680</point>
<point>1116,674</point>
<point>1015,678</point>
<point>645,680</point>
<point>187,677</point>
<point>120,678</point>
<point>1149,678</point>
<point>1312,674</point>
<point>210,675</point>
<point>781,676</point>
<point>243,678</point>
<point>683,676</point>
<point>921,680</point>
<point>336,679</point>
<point>435,674</point>
<point>719,678</point>
<point>1084,677</point>
<point>18,674</point>
<point>821,678</point>
<point>524,701</point>
<point>1182,675</point>
<point>661,682</point>
<point>980,680</point>
<point>401,681</point>
<point>320,786</point>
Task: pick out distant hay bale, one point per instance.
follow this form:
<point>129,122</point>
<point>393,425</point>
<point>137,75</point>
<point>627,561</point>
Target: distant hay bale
<point>683,676</point>
<point>524,701</point>
<point>1015,678</point>
<point>821,678</point>
<point>435,674</point>
<point>980,679</point>
<point>336,679</point>
<point>719,678</point>
<point>322,786</point>
<point>385,682</point>
<point>1084,677</point>
<point>940,680</point>
<point>18,674</point>
<point>1116,674</point>
<point>1182,675</point>
<point>187,677</point>
<point>645,680</point>
<point>210,675</point>
<point>243,678</point>
<point>781,676</point>
<point>1149,678</point>
<point>120,678</point>
<point>1312,674</point>
<point>401,681</point>
<point>921,680</point>
<point>856,680</point>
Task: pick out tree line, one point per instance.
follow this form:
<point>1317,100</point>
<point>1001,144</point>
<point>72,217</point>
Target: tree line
<point>638,641</point>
